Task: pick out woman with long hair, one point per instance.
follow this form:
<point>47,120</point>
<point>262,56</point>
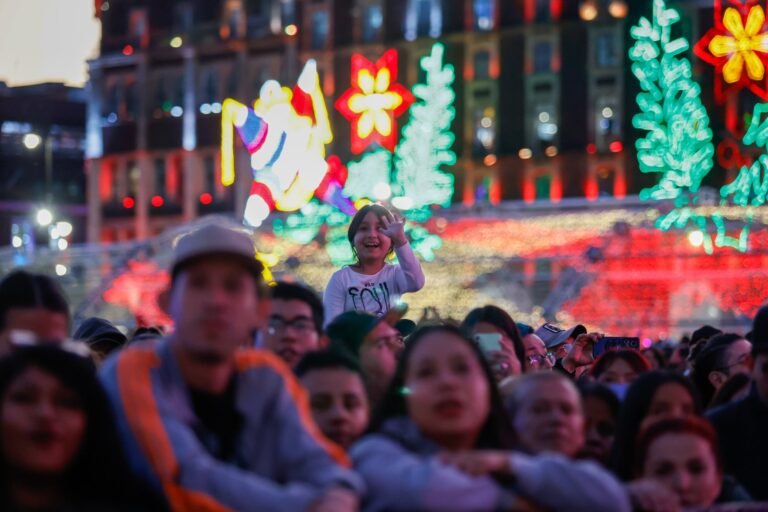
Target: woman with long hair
<point>59,449</point>
<point>653,396</point>
<point>441,440</point>
<point>492,320</point>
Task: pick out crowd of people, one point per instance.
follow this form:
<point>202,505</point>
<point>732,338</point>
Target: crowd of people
<point>265,397</point>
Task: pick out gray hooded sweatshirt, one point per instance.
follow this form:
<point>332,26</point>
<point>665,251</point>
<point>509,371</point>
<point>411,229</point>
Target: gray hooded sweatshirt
<point>402,472</point>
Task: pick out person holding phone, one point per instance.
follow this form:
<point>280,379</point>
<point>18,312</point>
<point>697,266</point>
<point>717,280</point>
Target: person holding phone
<point>501,341</point>
<point>581,356</point>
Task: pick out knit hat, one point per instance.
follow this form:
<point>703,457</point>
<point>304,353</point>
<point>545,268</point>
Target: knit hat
<point>348,330</point>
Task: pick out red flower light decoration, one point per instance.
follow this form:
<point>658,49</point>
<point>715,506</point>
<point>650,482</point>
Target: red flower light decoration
<point>374,101</point>
<point>738,48</point>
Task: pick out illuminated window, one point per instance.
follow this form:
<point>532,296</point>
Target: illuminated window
<point>484,14</point>
<point>134,178</point>
<point>607,123</point>
<point>372,22</point>
<point>423,18</point>
<point>482,64</point>
<point>606,52</point>
<point>543,184</point>
<point>112,103</point>
<point>545,127</point>
<point>484,127</point>
<point>320,27</point>
<point>542,57</point>
<point>287,12</point>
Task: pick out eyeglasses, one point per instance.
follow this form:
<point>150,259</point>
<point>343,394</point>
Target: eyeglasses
<point>538,359</point>
<point>301,325</point>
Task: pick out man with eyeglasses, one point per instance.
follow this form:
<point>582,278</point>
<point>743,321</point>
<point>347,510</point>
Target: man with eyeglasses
<point>742,427</point>
<point>537,358</point>
<point>374,342</point>
<point>294,324</point>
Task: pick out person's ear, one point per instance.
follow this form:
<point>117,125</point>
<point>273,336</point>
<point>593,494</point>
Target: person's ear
<point>717,379</point>
<point>164,300</point>
<point>323,342</point>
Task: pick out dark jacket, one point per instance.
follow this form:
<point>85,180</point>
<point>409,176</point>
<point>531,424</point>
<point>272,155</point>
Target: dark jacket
<point>742,429</point>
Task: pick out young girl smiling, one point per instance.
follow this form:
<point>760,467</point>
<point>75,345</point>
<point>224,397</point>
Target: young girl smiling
<point>372,284</point>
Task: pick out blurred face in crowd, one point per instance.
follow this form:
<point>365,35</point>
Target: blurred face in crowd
<point>618,372</point>
<point>507,345</point>
<point>652,359</point>
<point>339,403</point>
<point>378,357</point>
<point>43,323</point>
<point>549,417</point>
<point>42,424</point>
<point>291,330</point>
<point>600,429</point>
<point>536,356</point>
<point>448,396</point>
<point>685,463</point>
<point>215,307</point>
<point>760,376</point>
<point>562,349</point>
<point>737,359</point>
<point>671,400</point>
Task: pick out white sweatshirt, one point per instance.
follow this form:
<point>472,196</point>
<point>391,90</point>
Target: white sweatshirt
<point>348,290</point>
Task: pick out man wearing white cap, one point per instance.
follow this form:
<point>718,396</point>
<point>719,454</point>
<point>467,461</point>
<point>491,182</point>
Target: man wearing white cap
<point>215,424</point>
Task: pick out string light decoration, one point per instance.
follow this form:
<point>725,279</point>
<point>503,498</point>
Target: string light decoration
<point>374,101</point>
<point>427,138</point>
<point>737,45</point>
<point>412,178</point>
<point>373,168</point>
<point>678,144</point>
<point>286,133</point>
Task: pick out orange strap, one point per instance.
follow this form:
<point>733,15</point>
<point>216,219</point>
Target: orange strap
<point>134,382</point>
<point>251,358</point>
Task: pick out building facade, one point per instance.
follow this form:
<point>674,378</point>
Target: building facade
<point>544,99</point>
<point>42,139</point>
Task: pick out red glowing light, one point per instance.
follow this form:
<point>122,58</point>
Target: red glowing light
<point>591,149</point>
<point>206,198</point>
<point>128,203</point>
<point>128,50</point>
<point>616,146</point>
<point>157,201</point>
<point>729,81</point>
<point>374,101</point>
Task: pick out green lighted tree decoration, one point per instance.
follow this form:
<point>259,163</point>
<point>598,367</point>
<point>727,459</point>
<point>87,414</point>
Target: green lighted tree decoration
<point>678,142</point>
<point>427,138</point>
<point>414,174</point>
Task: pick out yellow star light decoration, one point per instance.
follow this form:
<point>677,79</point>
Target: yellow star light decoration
<point>742,46</point>
<point>374,101</point>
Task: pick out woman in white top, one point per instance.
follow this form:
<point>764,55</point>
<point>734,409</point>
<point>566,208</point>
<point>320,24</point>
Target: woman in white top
<point>372,284</point>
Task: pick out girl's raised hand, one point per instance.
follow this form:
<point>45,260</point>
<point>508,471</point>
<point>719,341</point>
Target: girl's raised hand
<point>393,226</point>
